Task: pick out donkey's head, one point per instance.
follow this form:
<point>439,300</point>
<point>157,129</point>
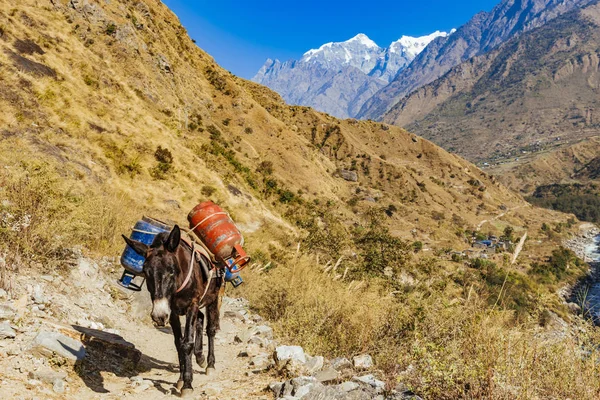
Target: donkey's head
<point>160,269</point>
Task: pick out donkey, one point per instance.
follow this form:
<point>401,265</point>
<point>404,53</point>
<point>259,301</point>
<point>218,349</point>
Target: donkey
<point>176,290</point>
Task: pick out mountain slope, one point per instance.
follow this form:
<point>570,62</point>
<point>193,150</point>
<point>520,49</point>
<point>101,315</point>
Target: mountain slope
<point>484,32</point>
<point>110,112</point>
<point>539,91</point>
<point>337,78</point>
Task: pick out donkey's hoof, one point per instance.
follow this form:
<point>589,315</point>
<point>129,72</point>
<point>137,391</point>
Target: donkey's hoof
<point>179,385</point>
<point>186,392</point>
<point>201,361</point>
<point>210,371</point>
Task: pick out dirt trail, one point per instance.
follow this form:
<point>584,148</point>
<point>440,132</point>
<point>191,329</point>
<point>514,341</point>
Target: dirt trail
<point>87,296</point>
<point>76,334</point>
<point>233,379</point>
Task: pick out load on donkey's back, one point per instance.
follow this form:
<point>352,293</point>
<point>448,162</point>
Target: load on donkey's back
<point>211,232</point>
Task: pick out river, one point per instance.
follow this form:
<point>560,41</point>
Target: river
<point>590,293</point>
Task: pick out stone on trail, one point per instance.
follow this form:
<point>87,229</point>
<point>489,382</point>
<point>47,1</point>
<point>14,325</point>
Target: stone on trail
<point>7,312</point>
<point>110,345</point>
<point>341,363</point>
<point>348,386</point>
<point>6,331</point>
<point>363,361</point>
<point>262,331</point>
<point>328,375</point>
<point>47,344</point>
<point>371,381</point>
<point>58,386</point>
<point>38,295</point>
<point>314,364</point>
<point>47,375</point>
<point>292,353</point>
<point>276,388</point>
<point>261,362</point>
<point>303,385</point>
<point>235,315</point>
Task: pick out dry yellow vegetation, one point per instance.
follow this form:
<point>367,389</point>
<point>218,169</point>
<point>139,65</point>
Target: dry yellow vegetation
<point>92,93</point>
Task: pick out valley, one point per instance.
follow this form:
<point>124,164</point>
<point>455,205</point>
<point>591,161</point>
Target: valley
<point>362,234</point>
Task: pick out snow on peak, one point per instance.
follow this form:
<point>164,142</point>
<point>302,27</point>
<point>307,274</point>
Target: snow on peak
<point>364,40</point>
<point>415,45</point>
<point>361,38</point>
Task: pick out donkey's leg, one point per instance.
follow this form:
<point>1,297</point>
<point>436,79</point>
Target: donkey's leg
<point>188,346</point>
<point>212,311</point>
<point>198,343</point>
<point>176,328</point>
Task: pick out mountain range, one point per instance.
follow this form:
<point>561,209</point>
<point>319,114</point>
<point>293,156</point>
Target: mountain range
<point>358,79</point>
<point>339,77</point>
<point>530,94</point>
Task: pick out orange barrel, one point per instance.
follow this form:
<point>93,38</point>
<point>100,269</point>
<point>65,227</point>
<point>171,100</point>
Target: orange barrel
<point>220,235</point>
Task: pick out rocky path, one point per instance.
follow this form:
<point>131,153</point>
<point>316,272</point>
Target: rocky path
<point>77,335</point>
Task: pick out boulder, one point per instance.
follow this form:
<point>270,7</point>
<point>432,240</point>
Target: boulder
<point>293,353</point>
<point>341,363</point>
<point>276,388</point>
<point>364,361</point>
<point>261,362</point>
<point>348,175</point>
<point>328,375</point>
<point>6,331</point>
<point>371,381</point>
<point>314,364</point>
<point>47,344</point>
<point>7,312</point>
<point>348,386</point>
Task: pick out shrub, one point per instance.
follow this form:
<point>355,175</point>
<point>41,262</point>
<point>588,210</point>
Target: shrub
<point>111,29</point>
<point>286,196</point>
<point>163,155</point>
<point>164,164</point>
<point>265,167</point>
<point>390,210</point>
<point>208,190</point>
<point>417,246</point>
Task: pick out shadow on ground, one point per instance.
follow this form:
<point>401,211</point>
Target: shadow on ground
<point>110,353</point>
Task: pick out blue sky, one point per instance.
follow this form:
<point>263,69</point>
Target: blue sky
<point>241,35</point>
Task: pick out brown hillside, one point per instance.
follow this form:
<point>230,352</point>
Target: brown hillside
<point>565,165</point>
<point>530,94</point>
<point>97,88</point>
<point>110,111</point>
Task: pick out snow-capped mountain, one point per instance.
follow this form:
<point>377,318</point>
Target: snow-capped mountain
<point>339,77</point>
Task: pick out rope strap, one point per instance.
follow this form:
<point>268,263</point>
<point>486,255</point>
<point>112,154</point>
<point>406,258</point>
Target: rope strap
<point>145,232</point>
<point>207,218</point>
<point>210,276</point>
<point>190,269</point>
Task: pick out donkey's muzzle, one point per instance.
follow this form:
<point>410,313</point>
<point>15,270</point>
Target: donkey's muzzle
<point>161,312</point>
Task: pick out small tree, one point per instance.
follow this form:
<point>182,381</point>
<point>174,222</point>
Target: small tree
<point>508,233</point>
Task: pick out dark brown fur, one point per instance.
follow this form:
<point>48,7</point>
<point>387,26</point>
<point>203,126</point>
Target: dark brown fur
<point>165,269</point>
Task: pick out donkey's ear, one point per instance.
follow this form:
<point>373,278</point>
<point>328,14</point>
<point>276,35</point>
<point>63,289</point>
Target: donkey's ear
<point>138,247</point>
<point>173,239</point>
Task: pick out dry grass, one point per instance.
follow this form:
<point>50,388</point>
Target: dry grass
<point>441,347</point>
<point>77,154</point>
